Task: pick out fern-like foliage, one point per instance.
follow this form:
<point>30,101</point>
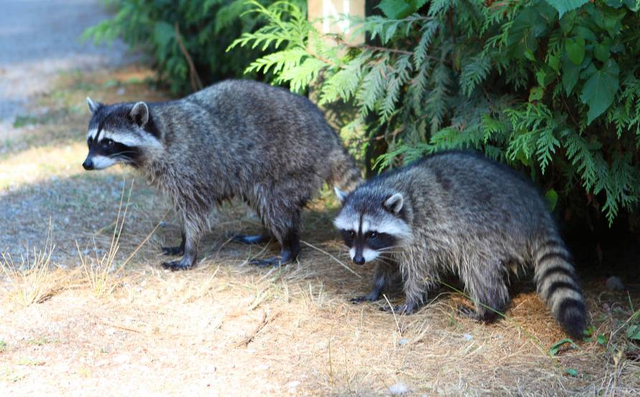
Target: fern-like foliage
<point>549,87</point>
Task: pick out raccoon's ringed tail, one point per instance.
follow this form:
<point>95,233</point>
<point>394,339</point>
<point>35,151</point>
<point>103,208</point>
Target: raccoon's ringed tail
<point>557,284</point>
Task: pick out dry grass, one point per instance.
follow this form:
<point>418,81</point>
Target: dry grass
<point>227,328</point>
<point>33,280</point>
<point>101,272</point>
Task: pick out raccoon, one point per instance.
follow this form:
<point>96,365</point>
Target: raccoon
<point>245,139</point>
<point>459,212</point>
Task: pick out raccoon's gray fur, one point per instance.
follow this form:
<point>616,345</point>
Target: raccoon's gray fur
<point>459,212</point>
<point>243,139</point>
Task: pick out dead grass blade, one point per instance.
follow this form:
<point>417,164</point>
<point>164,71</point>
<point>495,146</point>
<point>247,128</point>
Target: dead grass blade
<point>32,281</point>
<point>99,273</point>
<point>332,257</point>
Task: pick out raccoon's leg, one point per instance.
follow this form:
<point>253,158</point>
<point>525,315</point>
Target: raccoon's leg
<point>174,251</point>
<point>285,227</point>
<point>416,281</point>
<point>485,283</point>
<point>383,278</point>
<point>290,244</point>
<point>192,233</point>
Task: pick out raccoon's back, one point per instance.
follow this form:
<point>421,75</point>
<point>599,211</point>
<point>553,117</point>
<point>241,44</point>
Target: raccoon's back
<point>237,134</point>
<point>482,193</point>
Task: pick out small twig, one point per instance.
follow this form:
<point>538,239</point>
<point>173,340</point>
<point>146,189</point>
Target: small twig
<point>260,327</point>
<point>121,327</point>
<point>196,83</point>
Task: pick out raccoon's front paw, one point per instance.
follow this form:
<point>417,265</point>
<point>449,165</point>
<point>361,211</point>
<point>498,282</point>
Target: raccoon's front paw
<point>177,265</point>
<point>173,251</point>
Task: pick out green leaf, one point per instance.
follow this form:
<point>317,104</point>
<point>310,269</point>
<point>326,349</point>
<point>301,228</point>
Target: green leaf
<point>529,55</point>
<point>566,5</point>
<point>575,49</point>
<point>600,90</point>
<point>163,33</point>
<point>571,372</point>
<point>570,74</point>
<point>536,94</point>
<point>554,62</point>
<point>398,9</point>
<point>633,5</point>
<point>634,332</point>
<point>601,339</point>
<point>613,3</point>
<point>601,51</point>
<point>552,199</point>
<point>556,347</point>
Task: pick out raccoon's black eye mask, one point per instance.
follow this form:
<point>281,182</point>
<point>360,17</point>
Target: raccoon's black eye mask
<point>378,241</point>
<point>372,239</point>
<point>348,236</point>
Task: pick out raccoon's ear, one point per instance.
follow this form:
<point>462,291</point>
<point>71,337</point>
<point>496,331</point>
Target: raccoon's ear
<point>342,196</point>
<point>394,203</point>
<point>139,114</point>
<point>93,106</point>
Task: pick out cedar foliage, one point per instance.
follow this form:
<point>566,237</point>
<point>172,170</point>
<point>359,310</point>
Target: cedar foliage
<point>548,86</point>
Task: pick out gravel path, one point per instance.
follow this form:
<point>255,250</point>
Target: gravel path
<point>38,40</point>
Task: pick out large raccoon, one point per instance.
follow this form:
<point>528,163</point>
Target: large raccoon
<point>244,139</point>
<point>459,212</point>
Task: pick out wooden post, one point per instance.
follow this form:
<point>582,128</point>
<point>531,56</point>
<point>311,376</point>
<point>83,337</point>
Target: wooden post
<point>333,8</point>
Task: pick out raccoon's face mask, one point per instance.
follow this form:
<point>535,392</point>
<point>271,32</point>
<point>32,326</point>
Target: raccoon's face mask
<point>114,134</point>
<point>369,231</point>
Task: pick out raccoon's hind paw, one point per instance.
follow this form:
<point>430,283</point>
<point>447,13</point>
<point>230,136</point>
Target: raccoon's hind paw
<point>176,265</point>
<point>173,251</point>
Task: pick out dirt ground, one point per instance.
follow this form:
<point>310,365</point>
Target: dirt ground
<point>87,313</point>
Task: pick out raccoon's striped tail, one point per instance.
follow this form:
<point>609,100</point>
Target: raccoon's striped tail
<point>345,175</point>
<point>557,284</point>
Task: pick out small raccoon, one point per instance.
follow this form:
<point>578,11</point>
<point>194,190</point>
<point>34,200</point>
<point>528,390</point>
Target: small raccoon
<point>244,139</point>
<point>459,212</point>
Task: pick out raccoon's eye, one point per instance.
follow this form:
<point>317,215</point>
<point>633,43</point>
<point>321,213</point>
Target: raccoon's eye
<point>372,235</point>
<point>108,143</point>
<point>352,233</point>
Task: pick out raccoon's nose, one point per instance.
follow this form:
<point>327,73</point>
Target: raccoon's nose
<point>359,260</point>
<point>88,164</point>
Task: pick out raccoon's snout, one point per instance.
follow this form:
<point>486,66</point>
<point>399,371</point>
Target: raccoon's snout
<point>359,260</point>
<point>88,164</point>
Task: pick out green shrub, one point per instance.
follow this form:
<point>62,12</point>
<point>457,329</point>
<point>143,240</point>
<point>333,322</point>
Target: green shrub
<point>549,86</point>
<point>204,28</point>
